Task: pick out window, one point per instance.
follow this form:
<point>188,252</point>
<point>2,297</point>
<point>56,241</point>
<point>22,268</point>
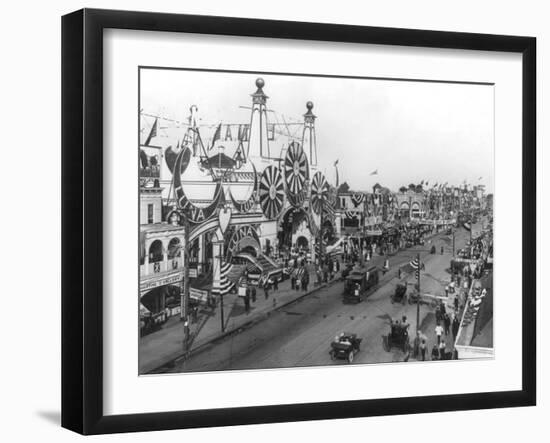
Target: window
<point>150,213</point>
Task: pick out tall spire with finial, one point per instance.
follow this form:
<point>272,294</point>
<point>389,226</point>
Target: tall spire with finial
<point>258,144</point>
<point>309,139</point>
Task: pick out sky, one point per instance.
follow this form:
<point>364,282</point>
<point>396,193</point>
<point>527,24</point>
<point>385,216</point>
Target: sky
<point>407,131</point>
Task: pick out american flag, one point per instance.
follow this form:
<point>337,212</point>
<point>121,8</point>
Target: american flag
<point>224,285</point>
<point>416,265</point>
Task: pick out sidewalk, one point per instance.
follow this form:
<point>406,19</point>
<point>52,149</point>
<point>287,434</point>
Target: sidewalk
<point>163,346</point>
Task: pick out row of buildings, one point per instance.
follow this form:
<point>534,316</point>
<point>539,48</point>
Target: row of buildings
<point>249,197</point>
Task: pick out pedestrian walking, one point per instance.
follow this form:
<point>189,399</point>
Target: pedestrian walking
<point>247,302</point>
<point>438,332</point>
<point>423,350</point>
<point>435,352</point>
<point>438,316</point>
<point>456,326</point>
<point>266,290</point>
<point>447,323</point>
<point>442,308</point>
<point>456,303</point>
<point>442,349</point>
<point>298,283</point>
<point>275,284</point>
<point>292,281</point>
<point>253,293</point>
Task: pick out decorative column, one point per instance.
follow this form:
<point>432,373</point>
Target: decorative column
<point>258,144</point>
<point>309,139</point>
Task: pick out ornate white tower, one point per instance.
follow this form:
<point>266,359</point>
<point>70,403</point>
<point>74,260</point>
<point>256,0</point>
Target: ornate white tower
<point>309,140</point>
<point>258,143</point>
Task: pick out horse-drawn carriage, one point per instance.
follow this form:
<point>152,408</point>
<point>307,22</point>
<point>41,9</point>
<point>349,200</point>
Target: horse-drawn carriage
<point>398,337</point>
<point>399,294</point>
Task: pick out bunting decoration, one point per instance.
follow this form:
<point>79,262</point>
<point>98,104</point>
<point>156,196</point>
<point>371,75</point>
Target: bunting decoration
<point>357,198</point>
<point>194,214</point>
<point>271,192</point>
<point>350,214</point>
<point>319,192</point>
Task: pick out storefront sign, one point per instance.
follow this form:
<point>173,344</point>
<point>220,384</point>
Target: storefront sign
<point>193,272</point>
<point>198,294</point>
<point>157,282</point>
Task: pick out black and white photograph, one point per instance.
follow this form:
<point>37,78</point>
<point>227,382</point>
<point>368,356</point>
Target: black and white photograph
<point>290,220</point>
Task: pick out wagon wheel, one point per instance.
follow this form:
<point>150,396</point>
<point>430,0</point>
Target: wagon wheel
<point>296,171</point>
<point>350,357</point>
<point>319,192</point>
<point>271,192</point>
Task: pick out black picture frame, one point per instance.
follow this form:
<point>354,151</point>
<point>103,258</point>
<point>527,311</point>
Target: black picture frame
<point>82,220</point>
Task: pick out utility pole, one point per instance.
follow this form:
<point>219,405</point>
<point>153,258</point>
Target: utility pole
<point>454,232</point>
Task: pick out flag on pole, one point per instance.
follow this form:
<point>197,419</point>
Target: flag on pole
<point>153,132</point>
<point>416,265</point>
<point>375,172</point>
<point>217,135</point>
<point>224,285</point>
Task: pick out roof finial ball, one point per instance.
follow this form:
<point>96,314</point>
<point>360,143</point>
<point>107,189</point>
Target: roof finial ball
<point>309,106</point>
<point>260,82</point>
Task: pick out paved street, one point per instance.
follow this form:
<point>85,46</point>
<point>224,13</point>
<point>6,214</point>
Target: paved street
<point>300,334</point>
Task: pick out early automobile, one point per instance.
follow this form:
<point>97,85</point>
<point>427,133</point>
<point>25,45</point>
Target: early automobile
<point>398,337</point>
<point>359,282</point>
<point>345,346</point>
<point>399,294</point>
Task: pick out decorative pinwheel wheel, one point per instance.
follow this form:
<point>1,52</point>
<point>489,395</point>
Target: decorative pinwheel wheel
<point>319,192</point>
<point>296,170</point>
<point>271,192</point>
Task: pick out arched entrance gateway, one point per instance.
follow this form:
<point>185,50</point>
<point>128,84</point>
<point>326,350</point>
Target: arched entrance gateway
<point>404,210</point>
<point>244,240</point>
<point>289,226</point>
<point>415,210</point>
<point>302,243</point>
